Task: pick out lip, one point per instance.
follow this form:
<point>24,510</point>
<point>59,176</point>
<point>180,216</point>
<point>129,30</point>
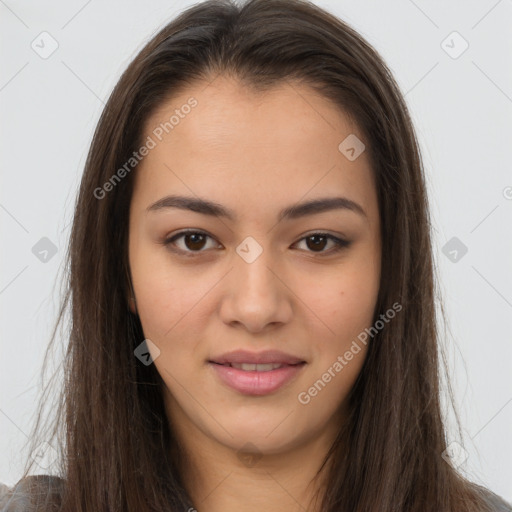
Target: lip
<point>254,382</point>
<point>267,356</point>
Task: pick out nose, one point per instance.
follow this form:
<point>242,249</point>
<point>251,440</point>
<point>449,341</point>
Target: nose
<point>256,295</point>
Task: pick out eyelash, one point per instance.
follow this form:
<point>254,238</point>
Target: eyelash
<point>340,243</point>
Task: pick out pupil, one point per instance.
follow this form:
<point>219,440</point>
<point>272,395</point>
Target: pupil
<point>316,243</point>
<point>195,237</point>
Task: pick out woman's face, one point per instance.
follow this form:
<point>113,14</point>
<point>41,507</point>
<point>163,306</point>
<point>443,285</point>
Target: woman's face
<point>262,273</point>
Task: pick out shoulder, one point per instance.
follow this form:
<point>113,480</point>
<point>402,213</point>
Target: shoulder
<point>496,503</point>
<point>30,490</point>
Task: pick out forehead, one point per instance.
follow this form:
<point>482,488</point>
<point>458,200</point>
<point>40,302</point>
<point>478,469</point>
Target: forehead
<point>221,137</point>
<point>227,111</point>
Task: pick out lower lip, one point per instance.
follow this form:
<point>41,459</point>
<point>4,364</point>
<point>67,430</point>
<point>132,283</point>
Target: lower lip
<point>254,382</point>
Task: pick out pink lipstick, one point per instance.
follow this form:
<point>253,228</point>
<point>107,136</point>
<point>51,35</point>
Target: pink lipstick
<point>256,374</point>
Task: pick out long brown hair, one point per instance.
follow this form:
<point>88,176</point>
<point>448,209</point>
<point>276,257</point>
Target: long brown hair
<point>118,452</point>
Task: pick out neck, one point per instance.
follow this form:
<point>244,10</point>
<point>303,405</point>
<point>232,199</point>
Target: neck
<point>220,478</point>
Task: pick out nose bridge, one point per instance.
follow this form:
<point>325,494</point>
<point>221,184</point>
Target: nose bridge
<point>257,296</point>
<point>252,273</point>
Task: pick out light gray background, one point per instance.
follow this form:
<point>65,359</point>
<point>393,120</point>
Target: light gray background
<point>462,110</point>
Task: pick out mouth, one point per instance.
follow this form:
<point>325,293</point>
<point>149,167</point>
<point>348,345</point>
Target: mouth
<point>257,367</point>
<point>262,360</point>
<point>256,379</point>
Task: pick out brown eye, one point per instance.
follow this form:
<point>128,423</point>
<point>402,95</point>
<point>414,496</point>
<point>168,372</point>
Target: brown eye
<point>317,242</point>
<point>194,241</point>
<point>191,241</point>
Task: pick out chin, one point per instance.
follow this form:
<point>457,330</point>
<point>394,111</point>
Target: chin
<point>269,435</point>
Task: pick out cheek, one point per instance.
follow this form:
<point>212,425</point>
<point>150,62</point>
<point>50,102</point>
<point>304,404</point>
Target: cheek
<point>171,319</point>
<point>344,301</point>
<point>351,308</point>
<point>169,314</point>
<point>346,308</point>
<point>168,302</point>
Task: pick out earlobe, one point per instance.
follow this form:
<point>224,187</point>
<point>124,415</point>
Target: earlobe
<point>132,305</point>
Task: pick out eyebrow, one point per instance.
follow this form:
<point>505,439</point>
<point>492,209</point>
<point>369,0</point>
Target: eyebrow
<point>295,211</point>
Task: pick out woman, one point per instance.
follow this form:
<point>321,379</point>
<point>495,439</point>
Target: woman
<point>251,283</point>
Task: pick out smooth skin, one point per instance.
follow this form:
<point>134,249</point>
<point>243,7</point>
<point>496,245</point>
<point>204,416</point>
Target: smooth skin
<point>197,298</point>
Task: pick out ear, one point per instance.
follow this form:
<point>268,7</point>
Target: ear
<point>132,305</point>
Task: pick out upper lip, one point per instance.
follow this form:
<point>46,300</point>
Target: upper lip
<point>265,357</point>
